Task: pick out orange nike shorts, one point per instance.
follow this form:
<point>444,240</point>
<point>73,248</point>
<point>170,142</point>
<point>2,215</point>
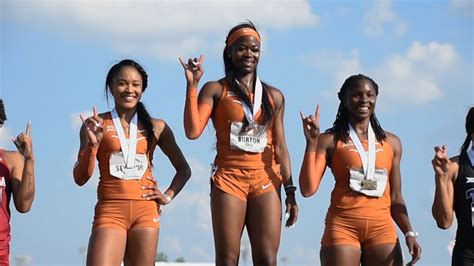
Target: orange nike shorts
<point>358,232</point>
<point>126,214</point>
<point>247,183</point>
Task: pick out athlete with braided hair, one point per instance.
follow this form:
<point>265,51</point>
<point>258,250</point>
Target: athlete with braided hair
<point>454,179</point>
<point>126,223</point>
<point>365,162</point>
<point>252,160</point>
<point>17,180</point>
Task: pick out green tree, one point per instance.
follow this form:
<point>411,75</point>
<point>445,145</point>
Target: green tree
<point>161,256</point>
<point>180,259</point>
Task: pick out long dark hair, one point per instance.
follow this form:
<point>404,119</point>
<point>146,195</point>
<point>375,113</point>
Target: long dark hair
<point>143,115</point>
<point>340,127</point>
<point>469,129</point>
<point>3,116</point>
<point>230,77</point>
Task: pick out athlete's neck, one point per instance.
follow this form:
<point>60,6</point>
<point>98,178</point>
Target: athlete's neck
<point>125,114</point>
<point>246,82</point>
<point>360,126</point>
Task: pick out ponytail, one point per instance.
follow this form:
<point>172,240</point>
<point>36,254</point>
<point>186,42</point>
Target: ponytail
<point>145,119</point>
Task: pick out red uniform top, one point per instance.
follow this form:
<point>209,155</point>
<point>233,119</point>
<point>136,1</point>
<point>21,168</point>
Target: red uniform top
<point>5,195</point>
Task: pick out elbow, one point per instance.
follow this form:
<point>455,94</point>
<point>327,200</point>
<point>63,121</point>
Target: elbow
<point>443,223</point>
<point>306,191</point>
<point>25,205</point>
<point>79,180</point>
<point>192,135</point>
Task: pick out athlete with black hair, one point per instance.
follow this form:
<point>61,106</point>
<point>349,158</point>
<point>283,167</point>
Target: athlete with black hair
<point>365,162</point>
<point>127,218</point>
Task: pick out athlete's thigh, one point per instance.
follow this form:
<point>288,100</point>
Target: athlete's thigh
<point>340,255</point>
<point>228,216</point>
<point>264,224</point>
<point>106,246</point>
<point>141,246</point>
<point>384,254</point>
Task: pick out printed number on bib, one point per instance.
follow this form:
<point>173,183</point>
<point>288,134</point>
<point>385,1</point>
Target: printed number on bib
<point>253,138</point>
<point>119,170</point>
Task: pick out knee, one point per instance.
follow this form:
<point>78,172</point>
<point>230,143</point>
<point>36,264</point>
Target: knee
<point>227,259</point>
<point>265,260</point>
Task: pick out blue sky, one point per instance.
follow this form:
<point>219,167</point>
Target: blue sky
<point>55,55</point>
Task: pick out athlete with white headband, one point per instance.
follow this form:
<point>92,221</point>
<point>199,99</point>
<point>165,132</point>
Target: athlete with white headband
<point>252,160</point>
<point>127,215</point>
<point>367,197</point>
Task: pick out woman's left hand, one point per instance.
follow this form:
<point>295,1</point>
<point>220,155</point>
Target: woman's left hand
<point>414,248</point>
<point>156,195</point>
<point>291,212</point>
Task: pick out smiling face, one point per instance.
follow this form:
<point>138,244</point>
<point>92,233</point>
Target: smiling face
<point>126,87</point>
<point>245,53</point>
<point>360,100</point>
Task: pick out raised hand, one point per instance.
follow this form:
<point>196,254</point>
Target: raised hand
<point>24,143</point>
<point>94,127</point>
<point>193,70</point>
<point>311,126</point>
<point>441,160</point>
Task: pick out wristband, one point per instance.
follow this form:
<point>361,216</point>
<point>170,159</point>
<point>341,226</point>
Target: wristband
<point>411,233</point>
<point>290,189</point>
<point>167,197</point>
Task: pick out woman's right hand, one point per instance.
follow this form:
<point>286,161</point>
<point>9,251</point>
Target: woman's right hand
<point>193,70</point>
<point>441,161</point>
<point>311,126</point>
<point>94,127</point>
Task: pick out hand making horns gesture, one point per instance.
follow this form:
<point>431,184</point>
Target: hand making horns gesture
<point>94,127</point>
<point>193,69</point>
<point>23,142</point>
<point>311,125</point>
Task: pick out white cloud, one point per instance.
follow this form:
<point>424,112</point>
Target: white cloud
<point>162,29</point>
<point>381,16</point>
<point>5,137</point>
<point>463,5</point>
<point>414,77</point>
<point>76,121</point>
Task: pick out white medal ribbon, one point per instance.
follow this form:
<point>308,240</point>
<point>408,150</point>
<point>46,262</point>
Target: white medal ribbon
<point>129,148</point>
<point>368,159</point>
<point>257,101</point>
<point>470,155</point>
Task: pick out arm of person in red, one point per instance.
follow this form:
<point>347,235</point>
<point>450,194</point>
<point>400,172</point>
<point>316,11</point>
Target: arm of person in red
<point>91,135</point>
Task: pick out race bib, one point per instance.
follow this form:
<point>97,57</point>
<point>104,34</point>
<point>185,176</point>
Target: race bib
<point>373,188</point>
<point>252,138</point>
<point>119,170</point>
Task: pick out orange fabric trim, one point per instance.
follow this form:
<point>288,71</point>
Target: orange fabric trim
<point>240,33</point>
<point>84,168</point>
<point>312,171</point>
<point>196,115</point>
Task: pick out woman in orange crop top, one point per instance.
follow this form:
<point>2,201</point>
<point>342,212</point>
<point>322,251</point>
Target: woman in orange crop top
<point>126,221</point>
<point>365,162</point>
<point>252,159</point>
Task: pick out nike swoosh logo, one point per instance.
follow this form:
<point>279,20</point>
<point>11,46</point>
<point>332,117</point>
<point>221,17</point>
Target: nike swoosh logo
<point>266,186</point>
<point>156,219</point>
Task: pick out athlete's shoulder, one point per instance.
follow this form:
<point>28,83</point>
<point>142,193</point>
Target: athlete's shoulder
<point>326,139</point>
<point>12,158</point>
<point>158,124</point>
<point>392,139</point>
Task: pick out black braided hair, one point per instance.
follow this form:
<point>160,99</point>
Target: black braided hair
<point>340,127</point>
<point>3,116</point>
<point>469,129</point>
<point>143,115</point>
<point>230,77</point>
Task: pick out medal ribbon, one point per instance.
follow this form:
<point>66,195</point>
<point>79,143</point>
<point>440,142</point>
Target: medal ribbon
<point>129,147</point>
<point>368,159</point>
